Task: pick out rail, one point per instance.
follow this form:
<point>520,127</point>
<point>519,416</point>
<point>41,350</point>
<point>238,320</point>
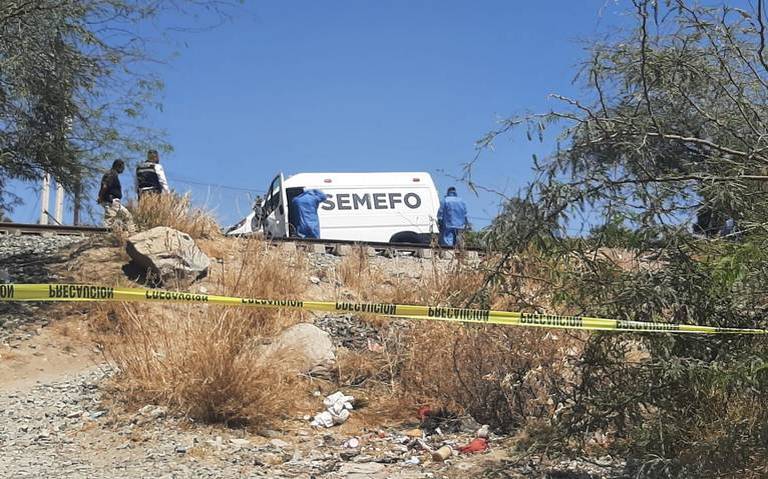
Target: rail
<point>340,247</point>
<point>32,229</point>
<point>345,247</point>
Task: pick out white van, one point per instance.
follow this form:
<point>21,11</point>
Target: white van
<point>375,207</point>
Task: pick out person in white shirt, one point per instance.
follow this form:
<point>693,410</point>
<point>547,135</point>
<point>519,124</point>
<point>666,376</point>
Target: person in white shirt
<point>150,176</point>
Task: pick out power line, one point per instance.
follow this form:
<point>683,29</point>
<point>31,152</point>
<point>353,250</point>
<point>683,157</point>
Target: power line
<point>216,185</point>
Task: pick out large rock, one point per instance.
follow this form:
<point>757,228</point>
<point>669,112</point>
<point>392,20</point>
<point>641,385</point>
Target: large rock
<point>168,256</point>
<point>304,346</point>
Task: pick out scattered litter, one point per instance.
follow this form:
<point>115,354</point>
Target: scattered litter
<point>479,444</point>
<point>442,454</point>
<point>423,412</point>
<point>337,410</point>
<point>413,460</point>
<point>351,443</point>
<point>483,431</point>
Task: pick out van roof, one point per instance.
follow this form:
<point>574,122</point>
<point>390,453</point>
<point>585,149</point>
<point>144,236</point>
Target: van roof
<point>356,179</point>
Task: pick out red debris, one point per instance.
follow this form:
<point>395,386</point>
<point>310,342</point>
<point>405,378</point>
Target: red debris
<point>479,444</point>
<point>424,412</point>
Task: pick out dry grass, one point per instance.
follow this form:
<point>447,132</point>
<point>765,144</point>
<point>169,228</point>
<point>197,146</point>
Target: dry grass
<point>204,361</point>
<point>255,269</point>
<point>436,282</point>
<point>175,211</point>
<point>502,376</point>
<point>199,362</point>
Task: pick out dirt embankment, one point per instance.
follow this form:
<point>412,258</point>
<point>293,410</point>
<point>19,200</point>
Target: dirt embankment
<point>66,414</point>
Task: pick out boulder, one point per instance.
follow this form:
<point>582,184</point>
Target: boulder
<point>305,346</point>
<point>168,256</point>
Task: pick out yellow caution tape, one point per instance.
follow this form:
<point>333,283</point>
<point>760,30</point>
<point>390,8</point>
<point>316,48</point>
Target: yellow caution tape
<point>90,292</point>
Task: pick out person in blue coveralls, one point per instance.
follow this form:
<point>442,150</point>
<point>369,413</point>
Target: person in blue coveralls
<point>451,218</point>
<point>303,213</point>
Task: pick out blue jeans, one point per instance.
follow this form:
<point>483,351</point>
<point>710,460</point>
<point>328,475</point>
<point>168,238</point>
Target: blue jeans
<point>448,237</point>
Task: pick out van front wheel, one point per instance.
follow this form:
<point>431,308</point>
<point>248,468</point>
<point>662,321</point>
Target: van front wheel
<point>407,237</point>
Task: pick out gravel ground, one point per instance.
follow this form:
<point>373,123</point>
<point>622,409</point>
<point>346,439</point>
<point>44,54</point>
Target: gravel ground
<point>64,430</point>
<point>22,256</point>
<point>31,259</point>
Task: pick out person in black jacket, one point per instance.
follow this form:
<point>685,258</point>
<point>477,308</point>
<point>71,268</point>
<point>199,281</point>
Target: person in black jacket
<point>150,176</point>
<point>110,197</point>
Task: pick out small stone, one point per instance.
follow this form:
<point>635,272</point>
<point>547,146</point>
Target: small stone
<point>158,412</point>
<point>146,409</point>
<point>360,470</point>
<point>278,443</point>
<point>216,443</point>
<point>347,455</point>
<point>269,459</point>
<point>314,280</point>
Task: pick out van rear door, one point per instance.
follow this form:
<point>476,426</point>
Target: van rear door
<point>276,209</point>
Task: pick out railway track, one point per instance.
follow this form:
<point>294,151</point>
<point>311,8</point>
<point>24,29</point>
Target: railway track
<point>338,247</point>
<point>344,248</point>
<point>31,229</point>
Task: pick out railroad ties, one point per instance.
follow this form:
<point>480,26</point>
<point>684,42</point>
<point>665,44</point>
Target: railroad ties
<point>20,229</point>
<point>336,247</point>
<point>369,248</point>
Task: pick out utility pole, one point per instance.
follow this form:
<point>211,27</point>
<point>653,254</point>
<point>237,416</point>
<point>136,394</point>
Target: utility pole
<point>58,213</point>
<point>44,199</point>
<point>77,203</point>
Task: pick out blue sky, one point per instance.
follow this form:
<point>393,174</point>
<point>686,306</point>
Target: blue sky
<point>401,85</point>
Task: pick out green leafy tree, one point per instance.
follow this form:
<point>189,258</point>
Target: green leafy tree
<point>75,87</point>
<point>673,123</point>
